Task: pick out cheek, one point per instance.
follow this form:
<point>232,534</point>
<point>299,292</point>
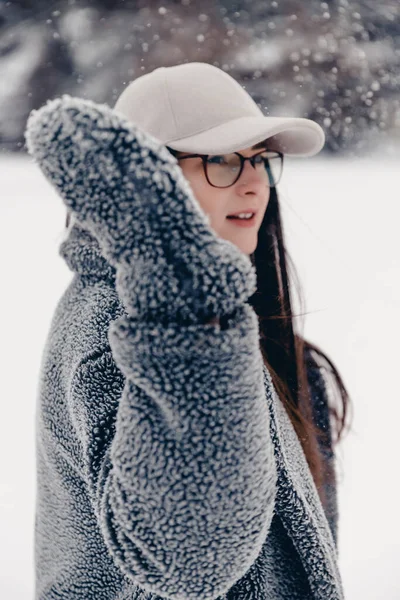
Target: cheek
<point>197,183</point>
<point>214,202</point>
<point>208,197</point>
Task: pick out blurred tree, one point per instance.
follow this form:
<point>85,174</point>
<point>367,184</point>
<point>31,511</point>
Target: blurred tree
<point>334,61</point>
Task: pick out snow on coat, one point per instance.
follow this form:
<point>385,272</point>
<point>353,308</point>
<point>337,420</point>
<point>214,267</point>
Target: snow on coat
<point>167,466</point>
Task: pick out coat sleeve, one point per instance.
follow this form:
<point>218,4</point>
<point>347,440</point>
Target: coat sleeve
<point>179,463</point>
<point>320,404</point>
<point>179,466</point>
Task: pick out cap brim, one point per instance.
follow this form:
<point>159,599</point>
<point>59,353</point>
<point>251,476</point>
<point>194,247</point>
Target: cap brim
<point>293,136</point>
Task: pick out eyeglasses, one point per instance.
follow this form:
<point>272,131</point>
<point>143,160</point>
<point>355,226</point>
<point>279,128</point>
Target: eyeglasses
<point>224,170</point>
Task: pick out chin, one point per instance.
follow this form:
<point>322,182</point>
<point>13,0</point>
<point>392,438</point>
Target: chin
<point>250,247</point>
<point>247,248</point>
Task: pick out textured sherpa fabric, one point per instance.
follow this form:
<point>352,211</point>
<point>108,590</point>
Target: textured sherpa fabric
<point>167,466</point>
<point>125,187</point>
<point>320,398</point>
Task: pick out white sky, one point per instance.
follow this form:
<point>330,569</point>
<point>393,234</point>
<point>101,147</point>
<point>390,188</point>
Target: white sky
<point>341,218</point>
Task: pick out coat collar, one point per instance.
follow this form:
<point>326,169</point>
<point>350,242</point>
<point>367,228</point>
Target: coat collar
<point>297,501</point>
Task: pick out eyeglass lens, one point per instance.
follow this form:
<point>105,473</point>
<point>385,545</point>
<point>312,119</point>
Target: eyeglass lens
<point>223,170</point>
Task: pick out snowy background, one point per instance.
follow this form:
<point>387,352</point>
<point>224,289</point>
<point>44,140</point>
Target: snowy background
<point>334,61</point>
<point>341,218</point>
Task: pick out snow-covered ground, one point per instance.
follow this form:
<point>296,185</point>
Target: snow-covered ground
<point>341,217</point>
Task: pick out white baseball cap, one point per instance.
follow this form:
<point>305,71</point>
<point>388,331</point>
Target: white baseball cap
<point>197,107</point>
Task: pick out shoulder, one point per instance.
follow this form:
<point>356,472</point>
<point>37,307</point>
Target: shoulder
<point>317,376</point>
<point>81,322</point>
<point>318,381</point>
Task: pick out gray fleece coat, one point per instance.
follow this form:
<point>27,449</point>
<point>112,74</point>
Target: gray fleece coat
<point>167,466</point>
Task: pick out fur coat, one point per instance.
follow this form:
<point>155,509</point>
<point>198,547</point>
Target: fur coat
<point>167,466</point>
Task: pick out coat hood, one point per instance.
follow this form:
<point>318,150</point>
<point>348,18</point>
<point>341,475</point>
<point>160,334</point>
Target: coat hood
<point>81,251</point>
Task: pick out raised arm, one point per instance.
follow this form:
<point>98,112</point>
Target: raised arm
<point>184,486</point>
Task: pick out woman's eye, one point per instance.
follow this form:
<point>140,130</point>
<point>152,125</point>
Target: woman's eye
<point>216,159</point>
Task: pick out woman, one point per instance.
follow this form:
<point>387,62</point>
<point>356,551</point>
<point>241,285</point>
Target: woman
<point>183,437</point>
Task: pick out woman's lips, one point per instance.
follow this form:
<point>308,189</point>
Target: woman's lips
<point>243,222</point>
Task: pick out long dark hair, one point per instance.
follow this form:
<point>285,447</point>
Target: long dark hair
<point>286,353</point>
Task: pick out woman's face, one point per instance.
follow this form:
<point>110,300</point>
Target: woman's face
<point>250,193</point>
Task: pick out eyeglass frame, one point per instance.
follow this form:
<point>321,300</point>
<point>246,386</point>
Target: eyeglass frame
<point>242,161</point>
